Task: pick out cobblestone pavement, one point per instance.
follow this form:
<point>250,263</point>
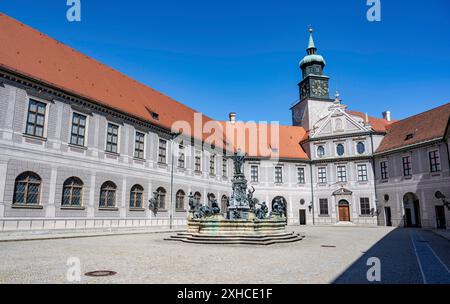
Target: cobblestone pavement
<point>147,258</point>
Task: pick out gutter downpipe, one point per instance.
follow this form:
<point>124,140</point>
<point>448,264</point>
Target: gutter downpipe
<point>312,190</point>
<point>374,178</point>
<point>174,136</point>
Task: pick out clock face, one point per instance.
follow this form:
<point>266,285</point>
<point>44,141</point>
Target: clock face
<point>319,88</point>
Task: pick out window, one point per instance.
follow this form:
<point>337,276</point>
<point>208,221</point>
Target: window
<point>161,198</point>
<point>112,138</point>
<point>435,164</point>
<point>181,157</point>
<point>198,161</point>
<point>278,175</point>
<point>139,144</point>
<point>323,206</point>
<point>360,148</point>
<point>362,173</point>
<point>301,175</point>
<point>36,118</point>
<point>322,175</point>
<point>212,164</point>
<point>136,195</point>
<point>320,151</point>
<point>407,170</point>
<point>384,170</point>
<point>27,189</point>
<point>341,174</point>
<point>340,150</point>
<point>365,205</point>
<point>224,167</point>
<point>197,197</point>
<point>72,192</point>
<point>254,174</point>
<point>78,129</point>
<point>179,202</point>
<point>162,149</point>
<point>108,194</point>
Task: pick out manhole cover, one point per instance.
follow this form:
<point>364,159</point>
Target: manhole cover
<point>328,246</point>
<point>100,273</point>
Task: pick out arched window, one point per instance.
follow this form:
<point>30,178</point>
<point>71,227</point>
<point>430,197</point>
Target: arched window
<point>360,147</point>
<point>72,192</point>
<point>179,203</point>
<point>27,189</point>
<point>320,151</point>
<point>108,194</point>
<point>161,198</point>
<point>136,194</point>
<point>223,203</point>
<point>340,149</point>
<point>197,197</point>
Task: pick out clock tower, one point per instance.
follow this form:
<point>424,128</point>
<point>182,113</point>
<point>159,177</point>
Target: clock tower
<point>313,88</point>
<point>314,83</point>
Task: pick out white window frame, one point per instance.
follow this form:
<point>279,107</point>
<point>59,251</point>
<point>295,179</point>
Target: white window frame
<point>47,114</point>
<point>86,129</point>
<point>145,144</point>
<point>118,136</point>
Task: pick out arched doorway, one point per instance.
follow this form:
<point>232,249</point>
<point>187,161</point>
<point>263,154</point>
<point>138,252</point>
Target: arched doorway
<point>284,201</point>
<point>344,211</point>
<point>412,210</point>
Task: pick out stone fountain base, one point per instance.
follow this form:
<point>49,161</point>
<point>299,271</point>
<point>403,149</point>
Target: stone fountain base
<point>251,231</point>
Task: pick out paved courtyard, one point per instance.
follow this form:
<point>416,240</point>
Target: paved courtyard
<point>326,255</point>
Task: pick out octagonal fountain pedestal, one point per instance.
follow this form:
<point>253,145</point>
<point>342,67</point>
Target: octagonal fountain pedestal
<point>219,230</point>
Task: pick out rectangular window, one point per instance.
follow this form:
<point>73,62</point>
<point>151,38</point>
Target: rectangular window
<point>407,170</point>
<point>279,175</point>
<point>301,175</point>
<point>139,143</point>
<point>198,161</point>
<point>341,174</point>
<point>384,170</point>
<point>181,157</point>
<point>112,138</point>
<point>224,167</point>
<point>78,129</point>
<point>365,205</point>
<point>435,164</point>
<point>36,118</point>
<point>254,174</point>
<point>323,206</point>
<point>322,175</point>
<point>212,165</point>
<point>362,173</point>
<point>162,149</point>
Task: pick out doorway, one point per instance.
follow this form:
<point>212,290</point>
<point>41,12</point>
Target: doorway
<point>412,210</point>
<point>344,211</point>
<point>440,217</point>
<point>302,214</point>
<point>388,215</point>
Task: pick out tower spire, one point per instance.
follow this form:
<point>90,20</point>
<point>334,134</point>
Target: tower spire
<point>311,46</point>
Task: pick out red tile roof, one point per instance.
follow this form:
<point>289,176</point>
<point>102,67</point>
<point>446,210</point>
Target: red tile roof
<point>417,129</point>
<point>30,53</point>
<point>378,124</point>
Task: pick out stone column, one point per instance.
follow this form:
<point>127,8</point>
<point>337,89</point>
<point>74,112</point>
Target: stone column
<point>50,208</point>
<point>3,168</point>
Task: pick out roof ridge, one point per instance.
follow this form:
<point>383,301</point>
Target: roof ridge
<point>421,113</point>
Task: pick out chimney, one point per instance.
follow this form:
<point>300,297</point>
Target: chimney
<point>387,115</point>
<point>232,117</point>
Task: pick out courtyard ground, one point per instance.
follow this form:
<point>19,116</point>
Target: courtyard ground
<point>326,255</point>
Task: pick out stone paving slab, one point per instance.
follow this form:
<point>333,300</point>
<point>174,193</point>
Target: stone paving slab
<point>443,233</point>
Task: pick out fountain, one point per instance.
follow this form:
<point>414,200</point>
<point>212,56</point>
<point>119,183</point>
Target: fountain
<point>246,221</point>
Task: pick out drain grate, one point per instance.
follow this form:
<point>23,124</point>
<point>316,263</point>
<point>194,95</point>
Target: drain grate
<point>100,273</point>
<point>328,246</point>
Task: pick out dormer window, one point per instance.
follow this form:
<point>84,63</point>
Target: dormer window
<point>409,136</point>
<point>320,151</point>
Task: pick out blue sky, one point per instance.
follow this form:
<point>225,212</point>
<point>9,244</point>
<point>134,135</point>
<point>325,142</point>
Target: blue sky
<point>242,56</point>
